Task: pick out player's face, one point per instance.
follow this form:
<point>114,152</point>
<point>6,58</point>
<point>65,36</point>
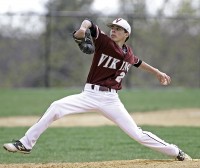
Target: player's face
<point>118,34</point>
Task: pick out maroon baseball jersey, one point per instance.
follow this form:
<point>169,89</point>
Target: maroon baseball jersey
<point>110,63</point>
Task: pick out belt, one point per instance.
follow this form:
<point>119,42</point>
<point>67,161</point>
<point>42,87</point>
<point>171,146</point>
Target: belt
<point>100,88</point>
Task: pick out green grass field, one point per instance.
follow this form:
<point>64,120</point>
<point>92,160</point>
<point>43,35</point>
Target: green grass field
<point>84,144</point>
<point>81,144</point>
<point>35,101</point>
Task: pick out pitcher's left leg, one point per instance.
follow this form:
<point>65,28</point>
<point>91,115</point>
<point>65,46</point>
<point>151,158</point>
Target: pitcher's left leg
<point>118,114</point>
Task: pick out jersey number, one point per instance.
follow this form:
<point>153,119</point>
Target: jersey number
<point>120,77</point>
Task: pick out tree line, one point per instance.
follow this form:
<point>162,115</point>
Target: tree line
<point>51,58</point>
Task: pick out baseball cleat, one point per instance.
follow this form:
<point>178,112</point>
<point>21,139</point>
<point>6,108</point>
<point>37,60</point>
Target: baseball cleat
<point>183,156</point>
<point>16,146</point>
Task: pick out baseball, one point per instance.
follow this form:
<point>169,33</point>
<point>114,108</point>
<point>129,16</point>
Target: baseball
<point>165,82</point>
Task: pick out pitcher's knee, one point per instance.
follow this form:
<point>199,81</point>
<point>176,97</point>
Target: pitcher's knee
<point>55,109</point>
<point>138,136</point>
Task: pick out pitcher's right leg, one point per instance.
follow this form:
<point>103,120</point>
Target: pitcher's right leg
<point>78,103</point>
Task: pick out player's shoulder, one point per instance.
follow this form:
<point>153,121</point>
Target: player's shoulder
<point>102,36</point>
<point>128,48</point>
<point>130,51</point>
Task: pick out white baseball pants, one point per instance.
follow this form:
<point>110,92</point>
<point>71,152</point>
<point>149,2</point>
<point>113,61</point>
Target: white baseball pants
<point>109,105</point>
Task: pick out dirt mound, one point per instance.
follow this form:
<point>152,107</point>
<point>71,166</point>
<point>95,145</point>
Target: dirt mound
<point>113,164</point>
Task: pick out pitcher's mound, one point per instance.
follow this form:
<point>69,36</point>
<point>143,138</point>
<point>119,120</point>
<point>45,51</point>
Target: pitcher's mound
<point>113,164</point>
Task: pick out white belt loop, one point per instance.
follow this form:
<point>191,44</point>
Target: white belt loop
<point>96,87</point>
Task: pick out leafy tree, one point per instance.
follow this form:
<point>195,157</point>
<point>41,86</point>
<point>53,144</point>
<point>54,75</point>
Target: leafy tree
<point>169,43</point>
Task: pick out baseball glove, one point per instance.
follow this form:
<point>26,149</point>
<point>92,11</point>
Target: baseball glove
<point>85,44</point>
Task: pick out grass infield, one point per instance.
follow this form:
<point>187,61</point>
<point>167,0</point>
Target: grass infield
<point>85,144</point>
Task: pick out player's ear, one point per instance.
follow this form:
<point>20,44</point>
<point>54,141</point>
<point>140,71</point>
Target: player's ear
<point>126,35</point>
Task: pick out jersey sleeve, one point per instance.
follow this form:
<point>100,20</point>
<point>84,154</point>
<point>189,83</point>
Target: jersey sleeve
<point>100,39</point>
<point>137,62</point>
<point>93,30</point>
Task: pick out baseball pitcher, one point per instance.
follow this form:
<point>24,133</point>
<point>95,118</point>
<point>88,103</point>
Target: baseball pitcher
<point>111,62</point>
